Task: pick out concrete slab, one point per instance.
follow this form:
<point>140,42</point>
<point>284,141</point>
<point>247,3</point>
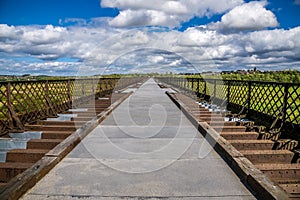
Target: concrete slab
<point>147,149</point>
<point>27,135</point>
<point>12,143</point>
<point>3,154</point>
<point>145,132</point>
<point>149,106</point>
<point>156,149</point>
<point>7,144</point>
<point>66,117</point>
<point>186,178</point>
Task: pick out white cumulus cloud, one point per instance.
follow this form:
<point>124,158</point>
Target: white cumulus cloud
<point>48,34</point>
<point>8,32</point>
<point>58,50</point>
<point>249,16</point>
<point>128,18</point>
<point>169,13</point>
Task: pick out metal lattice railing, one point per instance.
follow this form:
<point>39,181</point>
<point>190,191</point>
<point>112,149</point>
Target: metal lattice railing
<point>262,101</point>
<point>27,101</point>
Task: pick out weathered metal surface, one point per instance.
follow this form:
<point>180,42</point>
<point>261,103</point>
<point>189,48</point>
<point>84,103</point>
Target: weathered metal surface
<point>246,156</point>
<point>160,161</point>
<point>27,101</point>
<point>264,102</point>
<point>60,142</point>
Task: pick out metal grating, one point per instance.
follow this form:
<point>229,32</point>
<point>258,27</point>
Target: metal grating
<point>267,98</point>
<point>265,101</point>
<point>293,105</point>
<point>27,101</point>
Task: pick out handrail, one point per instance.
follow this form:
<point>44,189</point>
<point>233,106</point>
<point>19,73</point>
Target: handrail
<point>261,99</point>
<point>24,101</point>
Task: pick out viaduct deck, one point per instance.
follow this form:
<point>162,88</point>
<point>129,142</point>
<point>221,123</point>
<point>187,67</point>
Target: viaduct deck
<point>146,148</point>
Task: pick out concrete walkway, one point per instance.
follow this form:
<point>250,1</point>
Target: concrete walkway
<point>145,149</point>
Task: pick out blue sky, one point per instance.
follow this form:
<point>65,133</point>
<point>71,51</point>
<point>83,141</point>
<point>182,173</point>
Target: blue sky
<point>63,37</point>
<point>29,12</point>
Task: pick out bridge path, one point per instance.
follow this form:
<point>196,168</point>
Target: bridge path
<point>145,149</point>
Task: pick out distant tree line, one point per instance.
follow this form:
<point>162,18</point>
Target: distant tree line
<point>291,76</point>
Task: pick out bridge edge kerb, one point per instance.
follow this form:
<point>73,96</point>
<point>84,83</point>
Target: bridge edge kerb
<point>263,187</point>
<point>23,182</point>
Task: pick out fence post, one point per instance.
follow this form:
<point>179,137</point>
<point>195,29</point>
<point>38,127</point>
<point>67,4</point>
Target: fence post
<point>113,85</point>
<point>100,86</point>
<point>106,86</point>
<point>204,89</point>
<point>69,92</point>
<point>193,87</point>
<point>47,97</point>
<point>93,88</point>
<point>186,83</point>
<point>228,92</point>
<point>8,104</point>
<point>180,83</point>
<point>12,115</point>
<point>249,96</point>
<point>285,101</point>
<point>198,87</point>
<point>82,87</point>
<point>119,82</point>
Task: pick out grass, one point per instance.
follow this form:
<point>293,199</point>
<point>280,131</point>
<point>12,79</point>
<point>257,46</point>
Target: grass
<point>265,97</point>
<point>31,96</point>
